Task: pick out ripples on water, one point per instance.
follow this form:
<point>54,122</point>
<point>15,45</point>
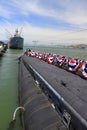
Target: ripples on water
<point>9,89</point>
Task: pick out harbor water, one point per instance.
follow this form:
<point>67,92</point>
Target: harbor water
<point>9,90</point>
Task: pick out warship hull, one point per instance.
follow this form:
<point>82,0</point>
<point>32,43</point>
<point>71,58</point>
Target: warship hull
<point>16,43</point>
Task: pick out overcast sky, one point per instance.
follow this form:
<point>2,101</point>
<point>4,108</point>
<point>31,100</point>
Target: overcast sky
<point>46,21</point>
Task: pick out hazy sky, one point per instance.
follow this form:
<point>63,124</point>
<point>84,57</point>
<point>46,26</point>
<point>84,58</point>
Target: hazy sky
<point>46,21</point>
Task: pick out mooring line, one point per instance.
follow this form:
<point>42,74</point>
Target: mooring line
<point>14,114</point>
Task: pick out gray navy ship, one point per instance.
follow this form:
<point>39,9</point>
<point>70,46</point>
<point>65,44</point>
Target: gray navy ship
<point>16,42</point>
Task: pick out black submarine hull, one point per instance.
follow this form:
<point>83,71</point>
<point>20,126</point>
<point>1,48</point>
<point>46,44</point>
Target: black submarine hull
<point>66,91</point>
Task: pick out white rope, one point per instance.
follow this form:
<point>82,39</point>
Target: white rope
<point>14,114</point>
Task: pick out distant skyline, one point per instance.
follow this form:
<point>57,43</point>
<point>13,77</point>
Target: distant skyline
<point>61,22</point>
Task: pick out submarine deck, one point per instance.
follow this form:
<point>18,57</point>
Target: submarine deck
<point>39,113</point>
<point>75,89</point>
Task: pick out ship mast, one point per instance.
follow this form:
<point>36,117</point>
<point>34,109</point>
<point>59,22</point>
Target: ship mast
<point>16,33</point>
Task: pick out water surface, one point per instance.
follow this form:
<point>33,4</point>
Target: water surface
<point>9,89</point>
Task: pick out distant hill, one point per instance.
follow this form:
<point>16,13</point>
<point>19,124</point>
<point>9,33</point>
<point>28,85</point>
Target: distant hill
<point>79,46</point>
